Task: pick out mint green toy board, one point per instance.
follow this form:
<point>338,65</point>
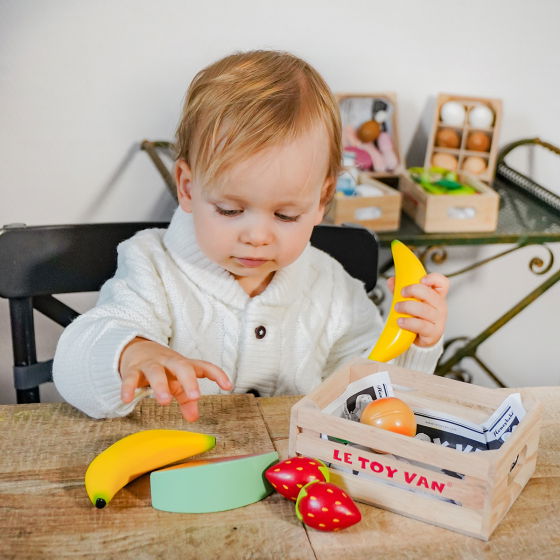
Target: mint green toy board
<point>213,486</point>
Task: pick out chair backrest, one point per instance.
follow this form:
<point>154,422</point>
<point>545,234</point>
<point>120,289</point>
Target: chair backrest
<point>354,247</point>
<point>39,261</point>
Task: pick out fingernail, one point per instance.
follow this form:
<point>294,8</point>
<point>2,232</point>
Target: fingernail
<point>193,394</point>
<point>164,396</point>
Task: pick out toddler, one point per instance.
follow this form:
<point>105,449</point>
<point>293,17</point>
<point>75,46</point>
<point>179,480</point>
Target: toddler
<point>231,296</point>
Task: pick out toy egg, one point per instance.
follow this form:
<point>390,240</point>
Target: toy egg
<point>478,142</point>
<point>447,138</point>
<point>453,113</point>
<point>474,164</point>
<point>447,161</point>
<point>481,116</point>
<point>369,131</point>
<point>381,116</point>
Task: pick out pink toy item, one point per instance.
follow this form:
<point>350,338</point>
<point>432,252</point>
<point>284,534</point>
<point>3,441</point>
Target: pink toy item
<point>350,139</point>
<point>385,145</point>
<point>363,159</point>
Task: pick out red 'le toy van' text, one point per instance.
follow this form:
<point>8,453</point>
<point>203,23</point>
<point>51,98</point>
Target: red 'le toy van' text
<point>408,477</point>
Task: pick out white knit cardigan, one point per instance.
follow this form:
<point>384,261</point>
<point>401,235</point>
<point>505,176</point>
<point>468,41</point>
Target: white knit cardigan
<point>313,315</point>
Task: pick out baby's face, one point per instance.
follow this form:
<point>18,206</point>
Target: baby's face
<point>261,216</point>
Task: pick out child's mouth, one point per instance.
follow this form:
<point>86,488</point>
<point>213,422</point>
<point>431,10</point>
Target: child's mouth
<point>250,263</point>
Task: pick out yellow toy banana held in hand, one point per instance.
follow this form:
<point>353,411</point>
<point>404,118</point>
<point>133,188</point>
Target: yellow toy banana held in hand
<point>395,340</point>
<point>136,454</point>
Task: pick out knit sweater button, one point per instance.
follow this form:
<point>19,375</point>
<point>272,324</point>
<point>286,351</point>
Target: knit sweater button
<point>260,332</point>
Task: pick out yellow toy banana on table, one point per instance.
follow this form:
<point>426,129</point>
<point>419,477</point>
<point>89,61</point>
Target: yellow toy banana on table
<point>395,340</point>
<point>136,454</point>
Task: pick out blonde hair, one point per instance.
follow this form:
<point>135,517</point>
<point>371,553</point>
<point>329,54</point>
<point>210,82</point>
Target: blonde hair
<point>249,101</point>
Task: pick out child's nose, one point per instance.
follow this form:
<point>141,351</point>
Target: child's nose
<point>257,233</point>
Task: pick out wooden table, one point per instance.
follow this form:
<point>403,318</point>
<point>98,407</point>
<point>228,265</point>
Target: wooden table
<point>45,513</point>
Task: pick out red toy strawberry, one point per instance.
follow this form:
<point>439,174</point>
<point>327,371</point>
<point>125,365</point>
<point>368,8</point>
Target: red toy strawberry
<point>326,507</point>
<point>291,475</point>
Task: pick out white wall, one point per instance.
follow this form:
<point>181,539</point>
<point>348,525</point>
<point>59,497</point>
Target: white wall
<point>82,83</point>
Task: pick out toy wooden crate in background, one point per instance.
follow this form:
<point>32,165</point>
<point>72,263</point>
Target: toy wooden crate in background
<point>379,213</point>
<point>369,130</point>
<point>466,492</point>
<point>451,212</point>
<point>464,135</point>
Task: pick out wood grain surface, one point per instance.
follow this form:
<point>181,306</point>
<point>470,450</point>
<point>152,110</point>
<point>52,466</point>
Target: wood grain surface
<point>45,512</point>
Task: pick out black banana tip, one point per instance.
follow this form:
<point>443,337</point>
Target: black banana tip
<point>100,503</point>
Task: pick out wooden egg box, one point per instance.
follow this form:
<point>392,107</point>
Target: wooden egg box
<point>461,145</point>
<point>359,108</point>
<point>466,492</point>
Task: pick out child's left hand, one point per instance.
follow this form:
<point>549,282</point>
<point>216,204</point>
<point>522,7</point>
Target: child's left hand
<point>429,313</point>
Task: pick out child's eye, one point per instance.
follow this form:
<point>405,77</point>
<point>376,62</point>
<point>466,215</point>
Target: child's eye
<point>226,212</point>
<point>285,218</point>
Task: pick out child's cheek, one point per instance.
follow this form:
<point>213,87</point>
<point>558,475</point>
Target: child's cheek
<point>296,242</point>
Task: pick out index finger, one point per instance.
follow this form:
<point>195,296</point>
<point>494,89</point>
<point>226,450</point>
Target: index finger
<point>437,282</point>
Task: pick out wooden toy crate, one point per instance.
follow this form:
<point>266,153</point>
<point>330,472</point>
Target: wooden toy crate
<point>356,108</point>
<point>473,504</point>
<point>464,130</point>
<point>451,212</point>
<point>379,213</point>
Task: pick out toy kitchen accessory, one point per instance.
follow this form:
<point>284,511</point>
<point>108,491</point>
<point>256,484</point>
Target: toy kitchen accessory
<point>474,451</point>
<point>452,192</point>
<point>366,191</point>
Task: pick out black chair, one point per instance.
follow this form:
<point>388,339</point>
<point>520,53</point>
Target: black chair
<point>39,261</point>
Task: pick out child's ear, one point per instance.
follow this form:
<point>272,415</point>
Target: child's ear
<point>326,195</point>
<point>183,180</point>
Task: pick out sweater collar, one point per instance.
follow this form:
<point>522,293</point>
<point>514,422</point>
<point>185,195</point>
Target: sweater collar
<point>180,241</point>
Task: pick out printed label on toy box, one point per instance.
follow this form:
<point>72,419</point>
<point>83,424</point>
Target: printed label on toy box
<point>406,476</point>
<point>359,394</point>
<point>450,431</point>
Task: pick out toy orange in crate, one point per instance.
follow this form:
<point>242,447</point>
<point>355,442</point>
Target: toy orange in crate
<point>466,492</point>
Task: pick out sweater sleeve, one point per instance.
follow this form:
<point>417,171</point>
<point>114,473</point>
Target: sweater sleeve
<point>131,304</point>
<point>420,358</point>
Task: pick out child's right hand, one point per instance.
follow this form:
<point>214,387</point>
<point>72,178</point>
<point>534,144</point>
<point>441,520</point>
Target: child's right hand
<point>145,363</point>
